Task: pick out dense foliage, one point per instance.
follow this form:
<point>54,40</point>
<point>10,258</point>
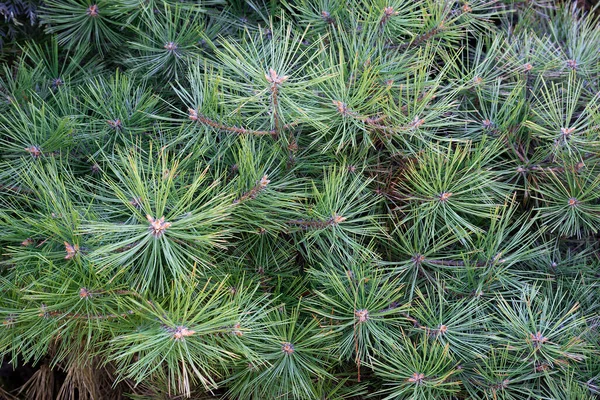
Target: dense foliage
<point>313,199</point>
<point>17,17</point>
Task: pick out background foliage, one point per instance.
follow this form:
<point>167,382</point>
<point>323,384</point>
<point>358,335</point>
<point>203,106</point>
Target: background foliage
<point>315,199</point>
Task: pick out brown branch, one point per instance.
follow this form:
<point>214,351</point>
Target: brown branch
<point>317,224</point>
<point>17,189</point>
<point>275,105</point>
<point>420,39</point>
<point>388,13</point>
<point>85,293</point>
<point>449,263</point>
<point>420,98</point>
<point>376,122</point>
<point>252,193</point>
<point>139,296</point>
<point>507,143</point>
<point>538,167</point>
<point>380,127</point>
<point>430,331</point>
<point>52,314</point>
<point>309,223</point>
<point>194,116</point>
<point>290,125</point>
<point>275,80</point>
<point>459,263</point>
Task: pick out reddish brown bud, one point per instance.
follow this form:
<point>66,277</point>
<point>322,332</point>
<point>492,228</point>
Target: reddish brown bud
<point>416,378</point>
<point>336,219</point>
<point>388,12</point>
<point>293,146</point>
<point>236,330</point>
<point>445,196</point>
<point>417,122</point>
<point>542,367</point>
<point>341,107</point>
<point>418,258</point>
<point>573,202</point>
<point>71,250</point>
<point>275,79</point>
<point>538,339</point>
<point>157,226</point>
<point>263,182</point>
<point>193,114</point>
<point>35,151</point>
<point>327,17</point>
<point>567,131</point>
<point>287,348</point>
<point>171,47</point>
<point>136,202</point>
<point>181,332</point>
<point>361,315</point>
<point>92,10</point>
<point>115,124</point>
<point>57,82</point>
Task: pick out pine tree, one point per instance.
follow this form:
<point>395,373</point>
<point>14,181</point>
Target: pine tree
<point>315,199</point>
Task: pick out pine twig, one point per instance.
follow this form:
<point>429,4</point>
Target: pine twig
<point>252,193</point>
<point>317,224</point>
<point>194,116</point>
<point>12,188</point>
<point>420,39</point>
<point>275,80</point>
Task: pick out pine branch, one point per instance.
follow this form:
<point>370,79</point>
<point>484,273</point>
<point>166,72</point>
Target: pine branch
<point>17,189</point>
<point>275,80</point>
<point>77,316</point>
<point>252,193</point>
<point>420,39</point>
<point>316,224</point>
<point>194,116</point>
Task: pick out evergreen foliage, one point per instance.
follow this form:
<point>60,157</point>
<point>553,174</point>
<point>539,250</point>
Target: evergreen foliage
<point>315,199</point>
